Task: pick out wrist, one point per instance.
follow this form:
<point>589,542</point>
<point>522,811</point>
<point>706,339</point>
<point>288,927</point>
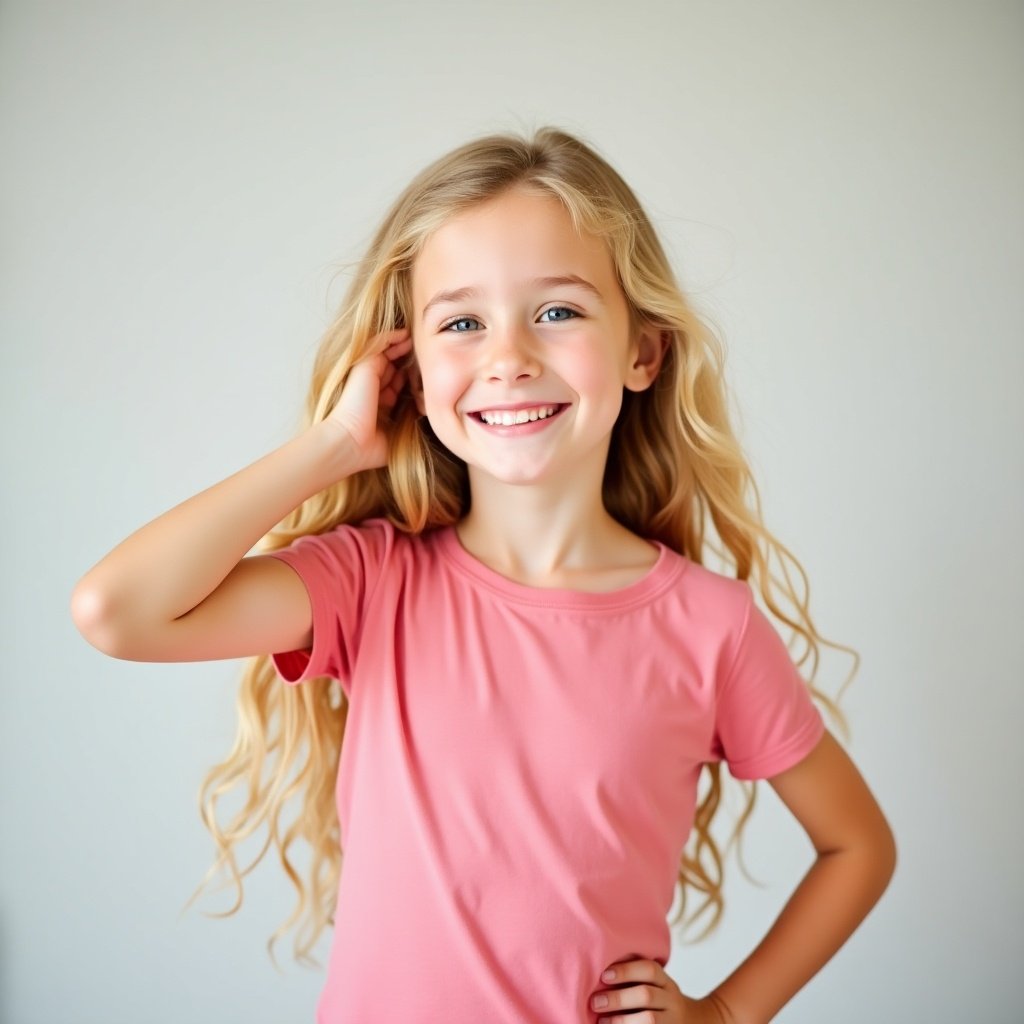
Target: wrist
<point>715,1010</point>
<point>332,450</point>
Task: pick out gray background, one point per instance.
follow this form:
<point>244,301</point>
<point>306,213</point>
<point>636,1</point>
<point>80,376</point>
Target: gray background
<point>840,188</point>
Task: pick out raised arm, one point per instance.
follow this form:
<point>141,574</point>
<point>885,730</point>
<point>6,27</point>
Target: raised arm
<point>181,589</point>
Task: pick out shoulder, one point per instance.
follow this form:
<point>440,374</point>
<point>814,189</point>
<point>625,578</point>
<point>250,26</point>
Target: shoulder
<point>376,532</point>
<point>707,611</point>
<point>721,602</point>
<point>370,544</point>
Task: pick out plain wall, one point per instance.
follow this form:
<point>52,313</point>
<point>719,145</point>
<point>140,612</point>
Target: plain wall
<point>840,188</point>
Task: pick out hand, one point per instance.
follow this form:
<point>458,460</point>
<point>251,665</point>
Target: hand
<point>370,392</point>
<point>650,996</point>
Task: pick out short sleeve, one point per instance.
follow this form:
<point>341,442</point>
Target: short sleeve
<point>340,569</point>
<point>765,719</point>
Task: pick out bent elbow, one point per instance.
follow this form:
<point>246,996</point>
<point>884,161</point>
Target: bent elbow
<point>890,853</point>
<point>90,612</point>
<point>881,852</point>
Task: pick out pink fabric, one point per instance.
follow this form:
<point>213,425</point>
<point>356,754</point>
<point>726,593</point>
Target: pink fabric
<point>519,771</point>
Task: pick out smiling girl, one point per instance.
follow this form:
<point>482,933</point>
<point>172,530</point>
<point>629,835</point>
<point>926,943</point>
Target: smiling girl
<point>484,646</point>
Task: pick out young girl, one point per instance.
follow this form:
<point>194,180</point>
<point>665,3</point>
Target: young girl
<point>483,562</point>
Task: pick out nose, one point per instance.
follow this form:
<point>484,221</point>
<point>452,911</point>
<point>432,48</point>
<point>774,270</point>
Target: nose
<point>510,354</point>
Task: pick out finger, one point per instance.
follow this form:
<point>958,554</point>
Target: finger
<point>389,395</point>
<point>632,997</point>
<point>394,380</point>
<point>384,343</point>
<point>398,350</point>
<point>632,979</point>
<point>400,353</point>
<point>635,970</point>
<point>380,345</point>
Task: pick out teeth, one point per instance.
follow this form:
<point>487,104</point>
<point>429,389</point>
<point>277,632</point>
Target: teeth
<point>507,418</point>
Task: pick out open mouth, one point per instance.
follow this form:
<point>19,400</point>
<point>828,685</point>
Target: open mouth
<point>510,420</point>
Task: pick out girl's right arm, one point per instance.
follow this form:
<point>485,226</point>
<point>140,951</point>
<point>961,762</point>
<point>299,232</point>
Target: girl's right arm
<point>182,589</point>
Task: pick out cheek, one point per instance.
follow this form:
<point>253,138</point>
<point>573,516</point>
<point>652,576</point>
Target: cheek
<point>599,381</point>
<point>443,383</point>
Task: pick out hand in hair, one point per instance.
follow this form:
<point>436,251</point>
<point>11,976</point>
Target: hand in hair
<point>181,587</point>
<point>371,389</point>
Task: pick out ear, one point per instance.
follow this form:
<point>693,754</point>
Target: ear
<point>646,356</point>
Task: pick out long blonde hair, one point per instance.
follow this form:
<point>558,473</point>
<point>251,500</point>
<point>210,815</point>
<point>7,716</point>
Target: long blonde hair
<point>675,470</point>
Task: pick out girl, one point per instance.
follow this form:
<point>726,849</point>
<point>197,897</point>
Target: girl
<point>483,562</point>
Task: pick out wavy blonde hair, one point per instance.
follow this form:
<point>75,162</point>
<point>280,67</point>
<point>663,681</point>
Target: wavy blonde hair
<point>675,472</point>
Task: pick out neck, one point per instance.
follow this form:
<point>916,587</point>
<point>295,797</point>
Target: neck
<point>545,532</point>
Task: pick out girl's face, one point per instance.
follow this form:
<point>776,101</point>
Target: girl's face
<point>499,331</point>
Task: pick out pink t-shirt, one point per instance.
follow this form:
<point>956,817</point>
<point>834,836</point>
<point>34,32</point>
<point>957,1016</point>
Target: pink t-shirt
<point>519,771</point>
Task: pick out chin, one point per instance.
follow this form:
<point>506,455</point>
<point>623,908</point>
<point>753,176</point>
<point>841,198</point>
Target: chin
<point>513,476</point>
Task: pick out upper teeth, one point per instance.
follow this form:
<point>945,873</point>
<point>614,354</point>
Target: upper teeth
<point>506,417</point>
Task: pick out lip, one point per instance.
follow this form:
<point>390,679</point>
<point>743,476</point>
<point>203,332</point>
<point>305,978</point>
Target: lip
<point>519,429</point>
<point>513,406</point>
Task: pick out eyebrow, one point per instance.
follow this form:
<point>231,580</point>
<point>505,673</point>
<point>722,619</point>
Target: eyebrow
<point>460,294</point>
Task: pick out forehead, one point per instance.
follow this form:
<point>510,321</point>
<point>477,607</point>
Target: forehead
<point>518,234</point>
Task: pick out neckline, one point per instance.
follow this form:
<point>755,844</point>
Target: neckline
<point>668,565</point>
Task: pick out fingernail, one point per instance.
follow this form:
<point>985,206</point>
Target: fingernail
<point>608,975</point>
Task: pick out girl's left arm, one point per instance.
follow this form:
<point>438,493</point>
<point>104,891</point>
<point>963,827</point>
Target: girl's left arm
<point>856,859</point>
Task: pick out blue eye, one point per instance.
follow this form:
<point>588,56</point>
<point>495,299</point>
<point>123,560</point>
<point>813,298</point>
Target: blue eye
<point>458,320</point>
<point>560,309</point>
<point>550,309</point>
